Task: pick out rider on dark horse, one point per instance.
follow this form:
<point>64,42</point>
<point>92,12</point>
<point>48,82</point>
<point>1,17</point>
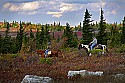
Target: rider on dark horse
<point>93,43</point>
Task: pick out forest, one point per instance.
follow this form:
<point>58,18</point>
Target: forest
<point>112,35</point>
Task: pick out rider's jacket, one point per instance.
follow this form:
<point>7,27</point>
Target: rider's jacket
<point>94,41</point>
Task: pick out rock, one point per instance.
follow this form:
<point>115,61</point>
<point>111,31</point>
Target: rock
<point>119,75</point>
<point>36,79</point>
<point>98,73</point>
<point>84,73</point>
<point>72,73</point>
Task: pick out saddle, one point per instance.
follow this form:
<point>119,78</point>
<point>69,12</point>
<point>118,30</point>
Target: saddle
<point>49,52</point>
<point>97,46</point>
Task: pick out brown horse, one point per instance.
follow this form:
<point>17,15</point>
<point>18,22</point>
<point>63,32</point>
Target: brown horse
<point>41,53</point>
<point>54,53</point>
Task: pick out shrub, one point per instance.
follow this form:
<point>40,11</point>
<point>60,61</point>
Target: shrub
<point>45,60</point>
<point>8,56</point>
<point>121,49</point>
<point>14,55</point>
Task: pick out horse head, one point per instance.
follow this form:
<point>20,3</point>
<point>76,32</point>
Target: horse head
<point>79,47</point>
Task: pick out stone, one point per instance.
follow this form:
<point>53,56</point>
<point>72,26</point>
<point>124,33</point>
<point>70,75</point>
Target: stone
<point>84,73</point>
<point>36,79</point>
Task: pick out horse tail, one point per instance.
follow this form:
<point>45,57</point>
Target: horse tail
<point>107,50</point>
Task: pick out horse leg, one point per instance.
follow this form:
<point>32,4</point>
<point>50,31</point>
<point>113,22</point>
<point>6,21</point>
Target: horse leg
<point>107,50</point>
<point>42,55</point>
<point>56,54</point>
<point>90,54</point>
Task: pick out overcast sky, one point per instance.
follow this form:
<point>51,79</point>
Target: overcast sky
<point>64,11</point>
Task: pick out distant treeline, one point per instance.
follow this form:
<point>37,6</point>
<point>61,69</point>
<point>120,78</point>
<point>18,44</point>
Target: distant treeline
<point>113,35</point>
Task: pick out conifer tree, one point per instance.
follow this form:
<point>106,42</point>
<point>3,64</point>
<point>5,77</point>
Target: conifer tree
<point>71,39</point>
<point>102,26</point>
<point>123,32</point>
<point>42,38</point>
<point>37,39</point>
<point>1,40</point>
<point>115,36</point>
<point>47,36</point>
<point>19,37</point>
<point>80,28</point>
<point>87,30</point>
<point>6,44</point>
<point>31,34</point>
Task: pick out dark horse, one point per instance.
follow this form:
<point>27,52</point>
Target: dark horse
<point>41,53</point>
<point>54,53</point>
<point>87,48</point>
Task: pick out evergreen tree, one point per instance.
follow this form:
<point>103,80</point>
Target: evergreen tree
<point>71,39</point>
<point>102,26</point>
<point>59,24</point>
<point>47,36</point>
<point>19,37</point>
<point>54,26</point>
<point>6,44</point>
<point>1,40</point>
<point>87,29</point>
<point>31,34</point>
<point>42,38</point>
<point>37,39</point>
<point>80,28</point>
<point>123,32</point>
<point>5,23</point>
<point>115,36</point>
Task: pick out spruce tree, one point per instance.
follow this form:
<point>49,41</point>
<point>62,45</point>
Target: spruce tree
<point>87,29</point>
<point>102,26</point>
<point>19,37</point>
<point>42,38</point>
<point>71,38</point>
<point>6,44</point>
<point>114,36</point>
<point>80,28</point>
<point>31,34</point>
<point>37,39</point>
<point>47,36</point>
<point>123,32</point>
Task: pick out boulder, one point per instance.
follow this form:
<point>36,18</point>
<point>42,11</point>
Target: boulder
<point>36,79</point>
<point>84,73</point>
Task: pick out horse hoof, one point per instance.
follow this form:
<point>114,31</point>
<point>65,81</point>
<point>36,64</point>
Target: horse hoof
<point>90,54</point>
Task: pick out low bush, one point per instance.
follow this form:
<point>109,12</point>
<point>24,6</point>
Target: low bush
<point>9,56</point>
<point>121,49</point>
<point>45,60</point>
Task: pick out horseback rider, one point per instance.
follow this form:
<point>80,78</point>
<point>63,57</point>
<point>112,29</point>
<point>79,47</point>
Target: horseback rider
<point>46,51</point>
<point>93,43</point>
